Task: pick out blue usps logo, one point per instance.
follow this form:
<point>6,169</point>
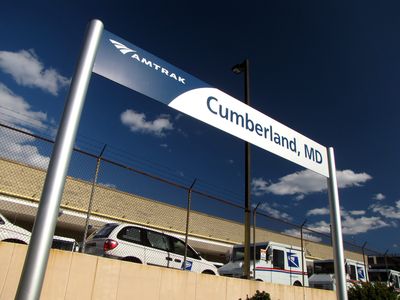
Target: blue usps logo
<point>361,274</point>
<point>293,260</point>
<point>188,265</point>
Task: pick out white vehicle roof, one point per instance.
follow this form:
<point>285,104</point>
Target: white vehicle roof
<point>271,243</point>
<point>346,260</point>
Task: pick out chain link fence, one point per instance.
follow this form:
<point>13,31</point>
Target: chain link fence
<point>107,186</point>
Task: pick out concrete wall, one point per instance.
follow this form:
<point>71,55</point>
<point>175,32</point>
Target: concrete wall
<point>79,276</point>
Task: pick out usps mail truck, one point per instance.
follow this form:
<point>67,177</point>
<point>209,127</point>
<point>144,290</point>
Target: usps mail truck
<point>274,262</point>
<point>324,274</point>
<point>388,277</point>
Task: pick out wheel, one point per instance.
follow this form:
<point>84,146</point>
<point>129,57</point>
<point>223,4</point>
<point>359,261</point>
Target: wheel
<point>15,241</point>
<point>132,259</point>
<point>297,283</point>
<point>208,272</point>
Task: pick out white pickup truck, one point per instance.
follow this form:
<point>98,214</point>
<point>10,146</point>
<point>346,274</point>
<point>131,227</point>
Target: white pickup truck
<point>15,234</point>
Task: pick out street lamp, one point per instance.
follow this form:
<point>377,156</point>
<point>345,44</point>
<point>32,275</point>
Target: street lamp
<point>238,69</point>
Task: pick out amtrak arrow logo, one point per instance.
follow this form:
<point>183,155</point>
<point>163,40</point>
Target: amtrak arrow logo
<point>124,49</point>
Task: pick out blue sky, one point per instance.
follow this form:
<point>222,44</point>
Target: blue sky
<point>328,70</point>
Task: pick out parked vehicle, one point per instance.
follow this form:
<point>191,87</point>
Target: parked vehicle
<point>274,262</point>
<point>12,233</point>
<point>64,243</point>
<point>15,234</point>
<point>386,276</point>
<point>143,245</point>
<point>324,274</point>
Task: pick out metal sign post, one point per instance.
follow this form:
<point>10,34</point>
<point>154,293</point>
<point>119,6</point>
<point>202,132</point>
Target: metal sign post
<point>32,276</point>
<point>116,59</point>
<point>337,239</point>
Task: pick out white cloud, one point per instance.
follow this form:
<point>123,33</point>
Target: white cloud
<point>273,212</point>
<point>318,212</point>
<point>164,145</point>
<point>137,123</point>
<point>387,211</point>
<point>357,212</point>
<point>351,225</point>
<point>108,185</point>
<point>17,146</point>
<point>379,197</point>
<point>306,236</point>
<point>16,111</point>
<point>306,182</point>
<point>27,70</point>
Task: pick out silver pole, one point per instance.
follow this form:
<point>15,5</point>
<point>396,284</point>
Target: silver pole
<point>96,174</point>
<point>337,239</point>
<point>187,223</point>
<point>33,272</point>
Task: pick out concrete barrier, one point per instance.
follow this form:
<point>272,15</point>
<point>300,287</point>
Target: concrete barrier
<point>80,276</point>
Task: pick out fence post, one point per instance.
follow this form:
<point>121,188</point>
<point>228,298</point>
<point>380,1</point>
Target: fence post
<point>254,240</point>
<point>302,250</point>
<point>187,222</point>
<point>365,266</point>
<point>96,174</point>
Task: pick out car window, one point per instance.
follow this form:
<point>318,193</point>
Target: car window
<point>2,221</point>
<point>105,231</point>
<point>178,247</point>
<point>130,234</point>
<point>157,240</point>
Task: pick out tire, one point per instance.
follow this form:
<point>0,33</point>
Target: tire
<point>297,283</point>
<point>15,241</point>
<point>209,272</point>
<point>132,259</point>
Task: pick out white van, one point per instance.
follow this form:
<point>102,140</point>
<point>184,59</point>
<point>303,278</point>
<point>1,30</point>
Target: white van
<point>275,262</point>
<point>324,274</point>
<point>388,277</point>
<point>143,245</point>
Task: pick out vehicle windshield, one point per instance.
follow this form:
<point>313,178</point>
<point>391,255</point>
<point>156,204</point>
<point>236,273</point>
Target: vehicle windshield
<point>378,276</point>
<point>324,267</point>
<point>105,231</point>
<point>238,252</point>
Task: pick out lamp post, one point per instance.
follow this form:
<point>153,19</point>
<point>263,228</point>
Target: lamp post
<point>237,69</point>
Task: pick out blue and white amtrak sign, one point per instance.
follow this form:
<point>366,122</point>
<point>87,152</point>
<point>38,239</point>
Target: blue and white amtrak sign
<point>139,70</point>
